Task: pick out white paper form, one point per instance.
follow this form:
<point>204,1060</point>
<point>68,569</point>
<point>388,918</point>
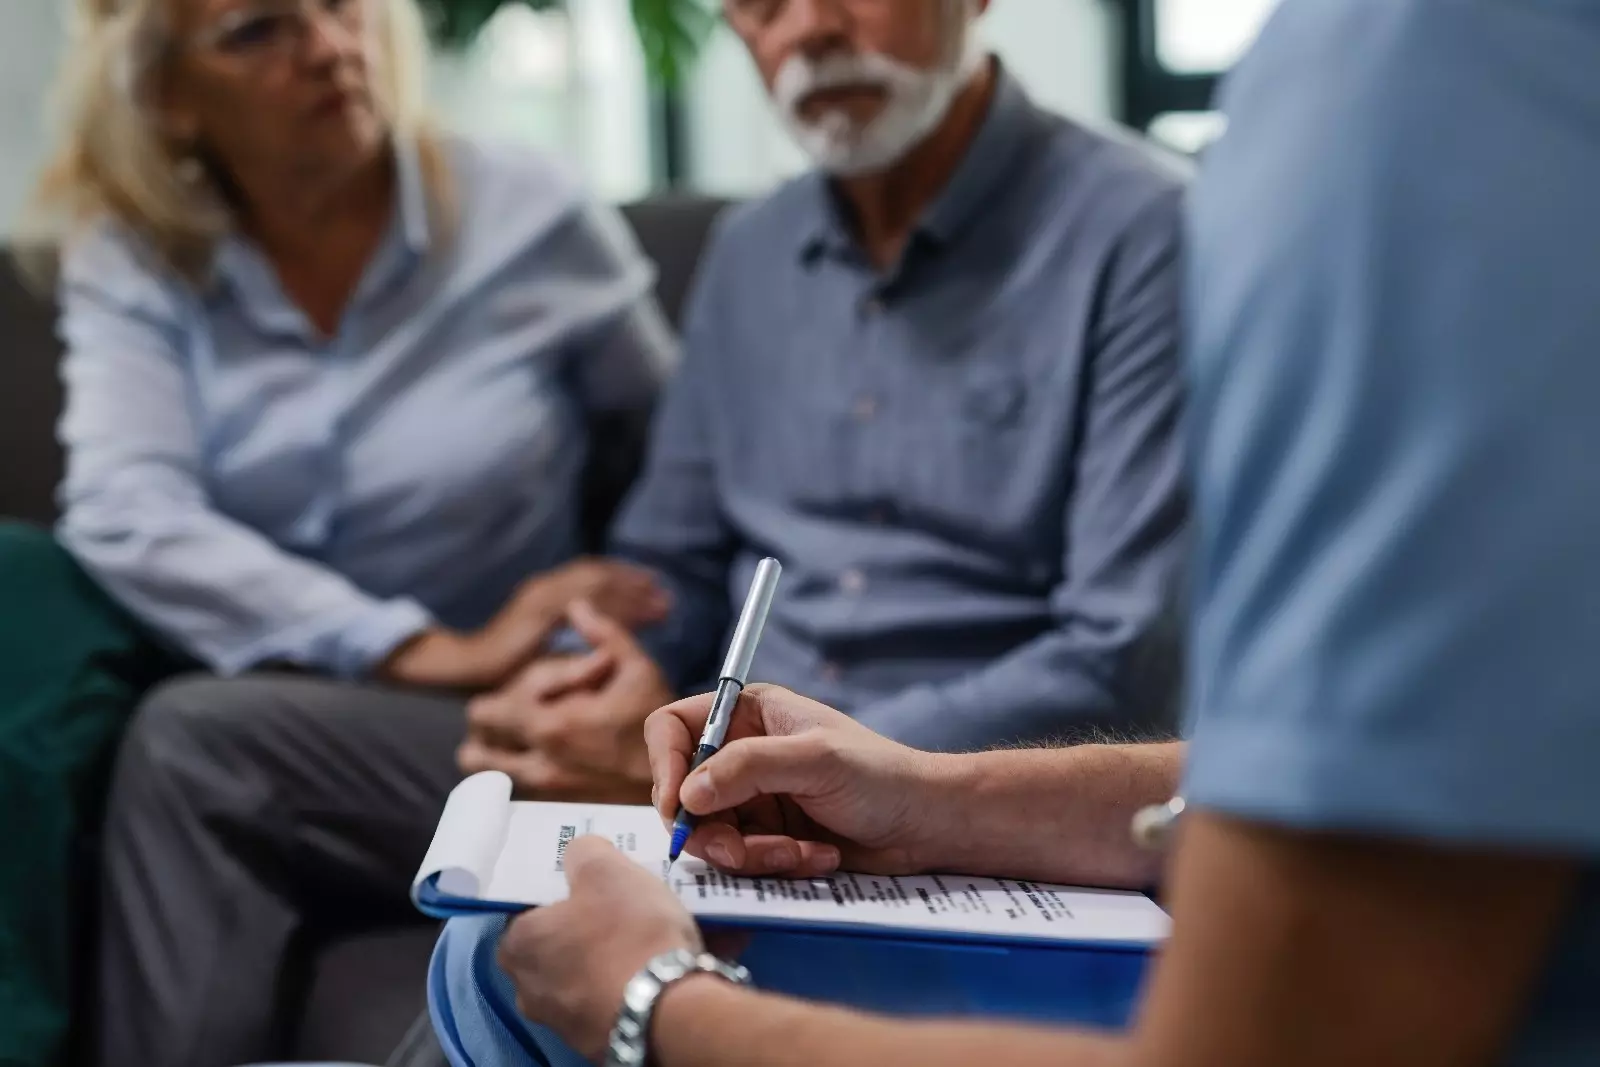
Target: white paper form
<point>532,866</point>
<point>470,836</point>
<point>953,904</point>
<point>490,848</point>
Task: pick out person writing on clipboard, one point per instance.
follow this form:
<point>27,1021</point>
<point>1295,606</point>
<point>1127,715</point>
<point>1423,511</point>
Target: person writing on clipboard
<point>1391,853</point>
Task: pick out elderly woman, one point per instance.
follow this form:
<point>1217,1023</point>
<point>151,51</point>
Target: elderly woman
<point>328,374</point>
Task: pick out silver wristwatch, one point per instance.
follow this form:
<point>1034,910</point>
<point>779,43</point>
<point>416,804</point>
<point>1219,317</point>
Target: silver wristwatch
<point>630,1038</point>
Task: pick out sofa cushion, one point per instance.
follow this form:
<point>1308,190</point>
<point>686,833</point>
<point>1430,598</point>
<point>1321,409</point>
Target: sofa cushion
<point>30,399</point>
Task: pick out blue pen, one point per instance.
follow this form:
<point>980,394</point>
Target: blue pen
<point>730,683</point>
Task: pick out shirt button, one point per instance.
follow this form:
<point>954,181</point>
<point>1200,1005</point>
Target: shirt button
<point>831,672</point>
<point>852,581</point>
<point>878,516</point>
<point>866,408</point>
<point>872,305</point>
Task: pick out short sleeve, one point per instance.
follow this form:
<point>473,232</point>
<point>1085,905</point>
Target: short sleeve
<point>1395,349</point>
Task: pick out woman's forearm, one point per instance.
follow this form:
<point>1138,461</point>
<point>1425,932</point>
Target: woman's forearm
<point>1055,815</point>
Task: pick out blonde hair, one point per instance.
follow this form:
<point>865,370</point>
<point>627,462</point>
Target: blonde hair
<point>114,162</point>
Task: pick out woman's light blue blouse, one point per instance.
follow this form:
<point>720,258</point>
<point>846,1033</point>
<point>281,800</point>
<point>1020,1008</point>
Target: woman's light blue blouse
<point>257,492</point>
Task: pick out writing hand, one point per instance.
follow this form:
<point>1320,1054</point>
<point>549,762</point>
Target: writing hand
<point>798,789</point>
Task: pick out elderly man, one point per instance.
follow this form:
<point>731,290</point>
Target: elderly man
<point>937,377</point>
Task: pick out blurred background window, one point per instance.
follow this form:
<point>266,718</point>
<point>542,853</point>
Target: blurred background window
<point>1206,36</point>
<point>569,78</point>
<point>1174,52</point>
<point>572,77</point>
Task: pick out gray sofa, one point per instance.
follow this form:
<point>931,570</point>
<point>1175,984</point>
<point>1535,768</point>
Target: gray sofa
<point>360,990</point>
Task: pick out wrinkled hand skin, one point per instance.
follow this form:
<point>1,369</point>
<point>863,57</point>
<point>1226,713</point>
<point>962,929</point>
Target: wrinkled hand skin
<point>570,962</point>
<point>571,728</point>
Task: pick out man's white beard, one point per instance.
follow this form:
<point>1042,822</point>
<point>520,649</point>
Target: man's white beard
<point>916,101</point>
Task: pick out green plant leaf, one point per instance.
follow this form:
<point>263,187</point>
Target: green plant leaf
<point>671,32</point>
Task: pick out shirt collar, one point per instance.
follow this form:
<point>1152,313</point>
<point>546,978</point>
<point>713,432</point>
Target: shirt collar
<point>1007,128</point>
<point>238,263</point>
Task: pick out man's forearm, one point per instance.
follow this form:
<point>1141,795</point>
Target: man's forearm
<point>705,1022</point>
<point>1055,815</point>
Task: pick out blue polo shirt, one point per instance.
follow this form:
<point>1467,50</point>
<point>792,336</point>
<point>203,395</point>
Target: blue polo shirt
<point>1395,302</point>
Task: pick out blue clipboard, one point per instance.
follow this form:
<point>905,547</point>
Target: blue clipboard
<point>887,970</point>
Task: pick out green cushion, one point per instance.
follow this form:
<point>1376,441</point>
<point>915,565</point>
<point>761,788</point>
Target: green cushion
<point>73,666</point>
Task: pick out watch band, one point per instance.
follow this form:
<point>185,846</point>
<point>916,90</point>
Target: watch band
<point>630,1038</point>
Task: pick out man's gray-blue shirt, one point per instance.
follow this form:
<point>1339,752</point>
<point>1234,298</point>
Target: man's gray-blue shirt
<point>969,465</point>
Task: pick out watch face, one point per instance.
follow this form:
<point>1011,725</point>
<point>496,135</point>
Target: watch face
<point>672,966</point>
<point>641,992</point>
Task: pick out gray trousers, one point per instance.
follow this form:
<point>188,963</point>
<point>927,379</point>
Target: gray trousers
<point>248,818</point>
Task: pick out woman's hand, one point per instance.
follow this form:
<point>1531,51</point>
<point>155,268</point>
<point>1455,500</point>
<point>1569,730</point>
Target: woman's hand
<point>444,659</point>
<point>799,789</point>
<point>629,594</point>
<point>486,659</point>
